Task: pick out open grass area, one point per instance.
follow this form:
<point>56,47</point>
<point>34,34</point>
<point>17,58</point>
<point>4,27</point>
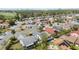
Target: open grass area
<point>13,44</point>
<point>2,30</point>
<point>8,15</point>
<point>16,46</point>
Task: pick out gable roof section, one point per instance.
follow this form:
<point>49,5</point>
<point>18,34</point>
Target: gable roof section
<point>27,41</point>
<point>69,38</point>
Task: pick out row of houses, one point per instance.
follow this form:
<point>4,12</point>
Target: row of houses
<point>65,41</point>
<point>22,29</point>
<point>65,26</point>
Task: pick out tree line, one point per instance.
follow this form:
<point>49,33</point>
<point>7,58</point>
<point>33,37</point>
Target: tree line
<point>36,13</point>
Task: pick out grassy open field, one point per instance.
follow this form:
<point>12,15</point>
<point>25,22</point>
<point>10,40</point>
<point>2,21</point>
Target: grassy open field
<point>8,15</point>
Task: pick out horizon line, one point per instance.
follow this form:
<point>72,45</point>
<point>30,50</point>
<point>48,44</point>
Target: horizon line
<point>39,8</point>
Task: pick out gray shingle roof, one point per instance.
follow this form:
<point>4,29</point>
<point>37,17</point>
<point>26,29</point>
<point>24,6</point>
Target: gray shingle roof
<point>4,37</point>
<point>28,40</point>
<point>1,39</point>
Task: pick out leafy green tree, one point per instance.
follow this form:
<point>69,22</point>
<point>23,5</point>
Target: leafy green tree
<point>13,31</point>
<point>73,47</point>
<point>62,32</point>
<point>11,41</point>
<point>43,44</point>
<point>17,16</point>
<point>2,17</point>
<point>11,22</point>
<point>75,27</point>
<point>41,27</point>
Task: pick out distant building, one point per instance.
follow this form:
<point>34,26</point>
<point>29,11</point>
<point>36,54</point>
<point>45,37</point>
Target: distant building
<point>75,33</point>
<point>50,30</point>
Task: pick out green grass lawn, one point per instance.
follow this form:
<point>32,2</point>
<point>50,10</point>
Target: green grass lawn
<point>2,30</point>
<point>8,15</point>
<point>16,46</point>
<point>13,44</point>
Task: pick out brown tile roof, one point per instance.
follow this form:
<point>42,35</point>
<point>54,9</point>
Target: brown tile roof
<point>69,38</point>
<point>63,47</point>
<point>1,21</point>
<point>50,30</point>
<point>77,31</point>
<point>57,41</point>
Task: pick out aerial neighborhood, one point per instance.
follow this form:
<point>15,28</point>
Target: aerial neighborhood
<point>47,31</point>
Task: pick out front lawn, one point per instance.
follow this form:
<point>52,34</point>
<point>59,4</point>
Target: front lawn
<point>16,46</point>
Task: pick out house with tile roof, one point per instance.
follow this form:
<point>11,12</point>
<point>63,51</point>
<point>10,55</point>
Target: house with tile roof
<point>70,39</point>
<point>59,44</point>
<point>74,33</point>
<point>50,30</point>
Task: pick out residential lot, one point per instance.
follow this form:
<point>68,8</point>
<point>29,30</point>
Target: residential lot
<point>36,31</point>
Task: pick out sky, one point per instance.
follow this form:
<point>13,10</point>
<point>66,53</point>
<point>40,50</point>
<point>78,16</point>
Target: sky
<point>39,4</point>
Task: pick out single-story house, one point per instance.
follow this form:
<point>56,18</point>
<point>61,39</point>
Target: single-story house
<point>50,30</point>
<point>1,21</point>
<point>61,44</point>
<point>75,33</point>
<point>27,41</point>
<point>4,25</point>
<point>70,39</point>
<point>75,23</point>
<point>4,38</point>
